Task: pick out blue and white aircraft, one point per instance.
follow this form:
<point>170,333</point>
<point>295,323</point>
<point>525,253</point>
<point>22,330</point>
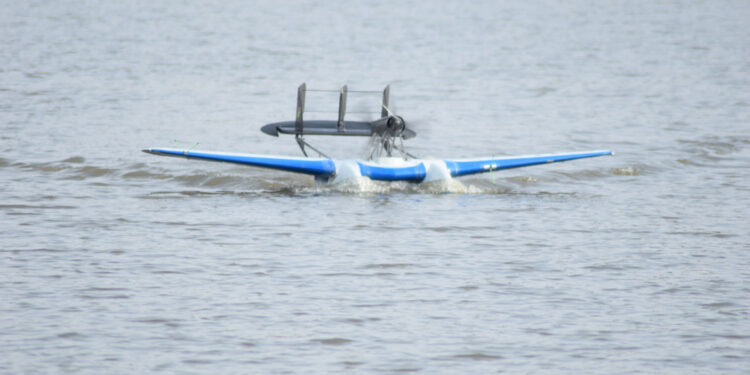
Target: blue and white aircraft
<point>389,161</point>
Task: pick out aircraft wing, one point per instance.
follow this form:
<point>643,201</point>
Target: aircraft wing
<point>465,167</point>
<point>414,171</point>
<point>312,166</point>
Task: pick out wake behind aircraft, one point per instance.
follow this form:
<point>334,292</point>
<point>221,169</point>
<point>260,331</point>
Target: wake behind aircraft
<point>387,161</point>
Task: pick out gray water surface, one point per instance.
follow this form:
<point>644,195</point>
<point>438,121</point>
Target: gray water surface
<point>119,262</point>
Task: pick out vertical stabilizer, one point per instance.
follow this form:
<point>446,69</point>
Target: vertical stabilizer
<point>300,108</point>
<point>342,107</point>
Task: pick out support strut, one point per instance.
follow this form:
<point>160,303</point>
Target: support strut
<point>302,143</point>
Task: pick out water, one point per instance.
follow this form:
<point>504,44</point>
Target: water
<point>122,262</point>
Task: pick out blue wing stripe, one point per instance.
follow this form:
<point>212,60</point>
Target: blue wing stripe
<point>315,167</point>
<point>414,173</point>
<point>467,167</point>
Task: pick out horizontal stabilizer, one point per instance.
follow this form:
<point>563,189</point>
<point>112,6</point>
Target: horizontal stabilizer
<point>326,127</point>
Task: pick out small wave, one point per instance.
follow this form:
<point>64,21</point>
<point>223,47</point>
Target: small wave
<point>583,174</point>
<point>387,265</point>
<point>41,207</point>
<point>712,146</point>
<point>71,335</point>
<point>92,171</point>
<point>351,364</point>
<point>71,164</point>
<point>176,194</point>
<point>690,162</point>
<point>221,181</point>
<point>74,160</point>
<point>332,341</point>
<point>214,180</point>
<point>610,267</point>
<point>711,151</point>
<point>159,321</point>
<point>35,250</point>
<point>718,305</point>
<point>143,174</point>
<point>523,180</point>
<point>478,356</point>
<point>103,289</point>
<point>626,171</point>
<point>42,167</point>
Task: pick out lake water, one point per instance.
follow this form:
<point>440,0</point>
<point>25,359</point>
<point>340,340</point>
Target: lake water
<point>119,262</point>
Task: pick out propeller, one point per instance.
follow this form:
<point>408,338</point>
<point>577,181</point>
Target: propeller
<point>397,130</point>
<point>391,125</point>
<point>388,133</point>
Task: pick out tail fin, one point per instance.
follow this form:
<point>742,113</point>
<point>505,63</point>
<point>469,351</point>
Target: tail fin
<point>300,108</point>
<point>342,107</point>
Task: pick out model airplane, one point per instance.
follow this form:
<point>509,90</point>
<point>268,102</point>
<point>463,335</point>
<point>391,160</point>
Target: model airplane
<point>388,161</point>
